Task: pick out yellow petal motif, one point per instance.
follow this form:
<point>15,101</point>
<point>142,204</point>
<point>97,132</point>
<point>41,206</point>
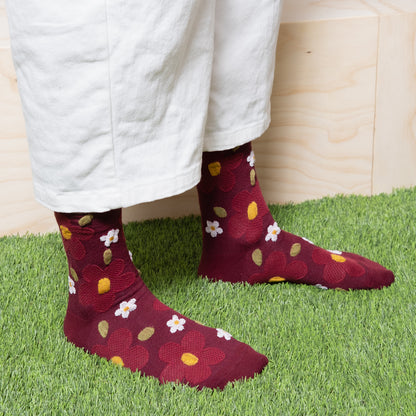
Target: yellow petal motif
<point>252,211</point>
<point>104,285</point>
<point>338,258</point>
<point>214,168</point>
<point>117,360</point>
<point>189,359</point>
<point>66,234</point>
<point>277,279</point>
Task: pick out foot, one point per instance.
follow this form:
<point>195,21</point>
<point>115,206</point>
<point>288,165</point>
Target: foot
<point>111,313</point>
<point>243,243</point>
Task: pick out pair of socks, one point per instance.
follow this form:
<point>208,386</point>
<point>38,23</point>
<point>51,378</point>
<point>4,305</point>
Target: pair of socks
<point>113,314</point>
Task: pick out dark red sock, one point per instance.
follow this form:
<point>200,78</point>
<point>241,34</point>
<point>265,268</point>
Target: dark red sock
<point>243,243</point>
<point>112,313</point>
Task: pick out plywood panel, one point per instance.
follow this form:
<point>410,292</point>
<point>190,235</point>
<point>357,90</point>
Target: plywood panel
<point>315,10</point>
<point>321,136</point>
<point>4,30</point>
<point>174,207</point>
<point>395,133</point>
<point>11,116</point>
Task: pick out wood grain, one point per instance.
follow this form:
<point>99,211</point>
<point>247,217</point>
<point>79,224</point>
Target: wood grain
<point>295,11</point>
<point>395,127</point>
<point>4,29</point>
<point>321,136</point>
<point>11,116</point>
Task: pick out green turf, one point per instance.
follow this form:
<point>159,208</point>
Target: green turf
<point>331,353</point>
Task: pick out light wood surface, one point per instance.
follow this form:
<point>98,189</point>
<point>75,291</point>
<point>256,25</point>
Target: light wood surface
<point>321,137</point>
<point>343,113</point>
<point>395,125</point>
<point>295,11</point>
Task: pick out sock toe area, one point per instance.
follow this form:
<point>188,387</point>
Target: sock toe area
<point>243,363</point>
<point>377,277</point>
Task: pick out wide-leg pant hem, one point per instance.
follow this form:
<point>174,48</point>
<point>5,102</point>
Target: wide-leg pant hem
<point>114,197</point>
<point>119,113</point>
<point>228,139</point>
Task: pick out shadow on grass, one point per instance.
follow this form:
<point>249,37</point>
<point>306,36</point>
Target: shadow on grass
<point>166,251</point>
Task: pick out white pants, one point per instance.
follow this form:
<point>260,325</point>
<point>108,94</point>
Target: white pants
<point>121,97</point>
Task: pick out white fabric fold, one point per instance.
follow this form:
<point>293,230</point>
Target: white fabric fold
<point>121,97</point>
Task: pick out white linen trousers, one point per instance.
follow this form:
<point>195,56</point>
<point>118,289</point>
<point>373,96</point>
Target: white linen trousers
<point>121,97</point>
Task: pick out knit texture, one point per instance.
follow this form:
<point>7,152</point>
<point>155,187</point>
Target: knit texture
<point>243,243</point>
<point>113,314</point>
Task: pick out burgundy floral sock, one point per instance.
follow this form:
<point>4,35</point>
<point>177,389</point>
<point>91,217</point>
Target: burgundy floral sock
<point>243,243</point>
<point>112,313</point>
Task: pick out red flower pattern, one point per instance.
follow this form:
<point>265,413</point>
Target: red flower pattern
<point>276,266</point>
<point>99,286</point>
<point>220,175</point>
<point>337,267</point>
<point>248,222</point>
<point>119,350</point>
<point>189,361</point>
<point>72,235</point>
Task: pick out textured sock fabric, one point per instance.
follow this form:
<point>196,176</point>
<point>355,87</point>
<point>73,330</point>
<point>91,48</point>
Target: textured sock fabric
<point>243,243</point>
<point>113,314</point>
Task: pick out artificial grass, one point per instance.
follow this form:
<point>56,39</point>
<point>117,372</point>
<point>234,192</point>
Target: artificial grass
<point>331,353</point>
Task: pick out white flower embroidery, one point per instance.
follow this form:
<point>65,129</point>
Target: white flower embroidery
<point>335,252</point>
<point>223,334</point>
<point>176,324</point>
<point>213,228</point>
<point>272,232</point>
<point>251,159</point>
<point>321,287</point>
<point>111,237</point>
<point>309,241</point>
<point>71,285</point>
<point>125,308</point>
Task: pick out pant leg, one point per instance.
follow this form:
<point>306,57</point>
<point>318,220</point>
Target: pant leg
<point>115,96</point>
<point>243,71</point>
